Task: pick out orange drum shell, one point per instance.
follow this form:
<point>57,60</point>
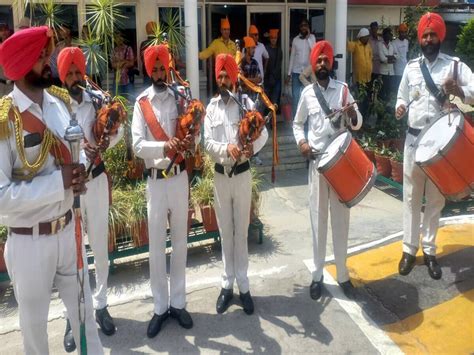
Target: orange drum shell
<point>453,172</point>
<point>351,175</point>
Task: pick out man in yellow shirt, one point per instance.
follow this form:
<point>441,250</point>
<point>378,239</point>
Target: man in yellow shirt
<point>220,45</point>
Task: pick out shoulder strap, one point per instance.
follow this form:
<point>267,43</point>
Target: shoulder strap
<point>5,105</point>
<point>322,101</point>
<point>433,89</point>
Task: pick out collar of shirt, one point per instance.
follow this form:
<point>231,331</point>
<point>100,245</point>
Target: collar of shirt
<point>160,96</point>
<point>25,103</point>
<point>331,85</point>
<point>85,99</point>
<point>440,58</point>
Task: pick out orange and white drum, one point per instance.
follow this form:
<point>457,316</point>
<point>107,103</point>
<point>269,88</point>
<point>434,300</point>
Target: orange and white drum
<point>444,150</point>
<point>347,169</point>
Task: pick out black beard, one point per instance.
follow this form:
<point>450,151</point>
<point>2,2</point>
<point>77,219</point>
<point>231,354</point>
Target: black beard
<point>224,90</point>
<point>159,85</point>
<point>322,74</point>
<point>431,49</point>
<point>74,90</point>
<point>43,81</point>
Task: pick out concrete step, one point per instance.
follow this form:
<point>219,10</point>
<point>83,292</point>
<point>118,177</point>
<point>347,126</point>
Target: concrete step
<point>282,167</point>
<point>284,151</point>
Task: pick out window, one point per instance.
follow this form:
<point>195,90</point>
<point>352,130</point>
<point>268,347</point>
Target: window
<point>64,15</point>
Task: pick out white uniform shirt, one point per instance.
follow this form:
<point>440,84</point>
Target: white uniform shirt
<point>144,144</point>
<point>300,50</point>
<point>27,203</point>
<point>221,127</point>
<point>384,51</point>
<point>423,110</point>
<point>320,129</point>
<point>401,47</point>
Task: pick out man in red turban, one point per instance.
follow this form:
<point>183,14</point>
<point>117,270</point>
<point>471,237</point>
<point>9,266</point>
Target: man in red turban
<point>450,77</point>
<point>95,203</point>
<point>232,192</point>
<point>36,200</point>
<point>316,103</point>
<point>154,140</point>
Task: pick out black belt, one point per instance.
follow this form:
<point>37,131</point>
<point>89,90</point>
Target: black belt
<point>414,131</point>
<point>47,228</point>
<point>159,172</point>
<point>238,170</point>
<point>99,169</point>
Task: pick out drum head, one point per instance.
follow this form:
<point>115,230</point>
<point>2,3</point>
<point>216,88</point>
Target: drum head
<point>437,137</point>
<point>332,149</point>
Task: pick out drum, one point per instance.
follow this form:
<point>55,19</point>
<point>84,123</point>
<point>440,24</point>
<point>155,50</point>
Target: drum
<point>444,151</point>
<point>347,169</point>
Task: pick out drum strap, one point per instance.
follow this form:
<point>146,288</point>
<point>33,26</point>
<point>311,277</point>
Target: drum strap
<point>322,101</point>
<point>439,95</point>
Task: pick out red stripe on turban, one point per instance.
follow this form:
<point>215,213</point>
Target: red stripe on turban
<point>433,21</point>
<point>227,62</point>
<point>154,53</point>
<point>19,53</point>
<point>69,56</point>
<point>321,47</point>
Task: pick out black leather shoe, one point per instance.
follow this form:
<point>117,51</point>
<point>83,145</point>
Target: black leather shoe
<point>183,317</point>
<point>406,264</point>
<point>223,301</point>
<point>155,324</point>
<point>348,289</point>
<point>105,321</point>
<point>316,288</point>
<point>247,302</point>
<point>433,267</point>
<point>69,343</point>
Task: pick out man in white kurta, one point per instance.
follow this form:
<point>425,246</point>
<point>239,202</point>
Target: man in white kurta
<point>36,203</point>
<point>165,196</point>
<point>401,46</point>
<point>320,133</point>
<point>95,203</point>
<point>422,112</point>
<point>232,194</point>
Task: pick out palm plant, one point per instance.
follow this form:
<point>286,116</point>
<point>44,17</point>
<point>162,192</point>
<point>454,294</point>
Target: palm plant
<point>3,234</point>
<point>170,25</point>
<point>49,9</point>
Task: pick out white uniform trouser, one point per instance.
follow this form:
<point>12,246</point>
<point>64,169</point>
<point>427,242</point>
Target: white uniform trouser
<point>95,209</point>
<point>320,194</point>
<point>34,265</point>
<point>232,198</point>
<point>415,183</point>
<point>165,195</point>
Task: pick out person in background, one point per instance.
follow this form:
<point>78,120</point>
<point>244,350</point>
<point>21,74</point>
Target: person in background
<point>65,40</point>
<point>249,66</point>
<point>220,45</point>
<point>150,29</point>
<point>401,46</point>
<point>260,52</point>
<point>273,69</point>
<point>6,85</point>
<point>122,60</point>
<point>388,56</point>
<point>374,41</point>
<point>25,22</point>
<point>299,59</point>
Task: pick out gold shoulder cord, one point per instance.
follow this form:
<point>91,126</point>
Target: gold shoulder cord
<point>61,94</point>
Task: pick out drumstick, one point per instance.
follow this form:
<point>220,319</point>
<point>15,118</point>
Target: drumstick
<point>416,97</point>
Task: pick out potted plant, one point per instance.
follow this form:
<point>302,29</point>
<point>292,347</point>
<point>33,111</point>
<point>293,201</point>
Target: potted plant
<point>369,146</point>
<point>382,161</point>
<point>255,201</point>
<point>396,161</point>
<point>202,195</point>
<point>3,239</point>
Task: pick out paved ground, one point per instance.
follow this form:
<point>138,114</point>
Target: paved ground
<point>286,319</point>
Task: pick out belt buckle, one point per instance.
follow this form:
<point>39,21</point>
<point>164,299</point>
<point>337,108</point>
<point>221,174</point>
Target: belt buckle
<point>227,170</point>
<point>58,224</point>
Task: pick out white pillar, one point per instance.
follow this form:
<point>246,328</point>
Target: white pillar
<point>340,44</point>
<point>191,34</point>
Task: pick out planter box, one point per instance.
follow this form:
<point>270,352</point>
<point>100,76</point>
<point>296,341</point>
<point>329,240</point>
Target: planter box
<point>209,219</point>
<point>397,171</point>
<point>142,237</point>
<point>370,154</point>
<point>383,165</point>
<point>398,144</point>
<point>3,266</point>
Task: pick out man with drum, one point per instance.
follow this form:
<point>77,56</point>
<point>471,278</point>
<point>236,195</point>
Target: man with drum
<point>232,192</point>
<point>153,130</point>
<point>325,95</point>
<point>95,204</point>
<point>425,86</point>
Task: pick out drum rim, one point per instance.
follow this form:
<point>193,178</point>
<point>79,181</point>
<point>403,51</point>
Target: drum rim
<point>447,147</point>
<point>337,156</point>
<point>368,186</point>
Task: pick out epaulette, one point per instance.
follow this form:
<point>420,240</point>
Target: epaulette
<point>61,94</point>
<point>5,105</point>
<point>414,60</point>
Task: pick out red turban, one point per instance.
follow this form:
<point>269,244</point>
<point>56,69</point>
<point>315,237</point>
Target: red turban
<point>19,53</point>
<point>69,56</point>
<point>433,21</point>
<point>227,62</point>
<point>154,53</point>
<point>321,47</point>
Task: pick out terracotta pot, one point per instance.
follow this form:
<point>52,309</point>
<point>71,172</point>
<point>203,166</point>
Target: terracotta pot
<point>209,219</point>
<point>383,165</point>
<point>398,144</point>
<point>286,112</point>
<point>3,266</point>
<point>397,171</point>
<point>191,212</point>
<point>370,154</point>
<point>384,143</point>
<point>142,237</point>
